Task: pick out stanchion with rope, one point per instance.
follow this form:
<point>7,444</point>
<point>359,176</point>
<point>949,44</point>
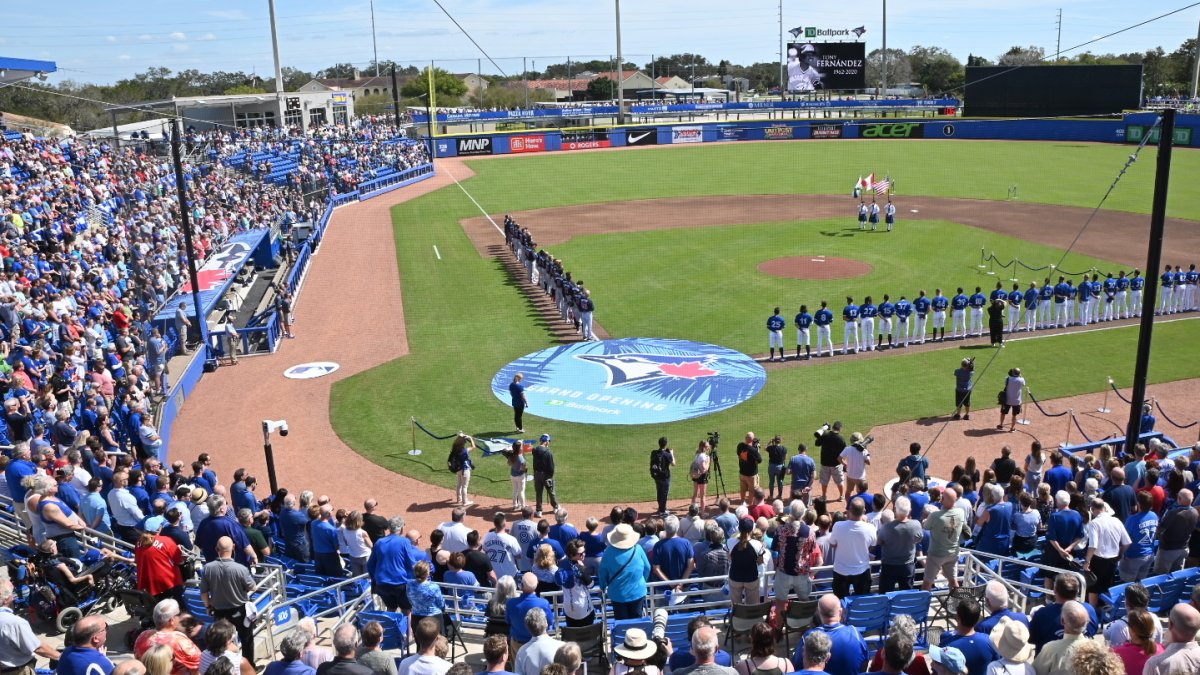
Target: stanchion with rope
<point>1079,427</point>
<point>1024,421</point>
<point>982,260</point>
<point>1118,392</point>
<point>1014,270</point>
<point>1104,406</point>
<point>1067,441</point>
<point>992,265</point>
<point>412,423</point>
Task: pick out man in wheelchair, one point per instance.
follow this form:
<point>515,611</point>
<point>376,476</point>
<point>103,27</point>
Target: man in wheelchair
<point>76,580</point>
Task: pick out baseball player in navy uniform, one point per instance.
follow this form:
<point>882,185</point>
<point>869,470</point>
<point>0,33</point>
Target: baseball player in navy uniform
<point>1062,302</point>
<point>850,316</point>
<point>862,220</point>
<point>803,321</point>
<point>867,311</point>
<point>1046,306</point>
<point>904,310</point>
<point>874,218</point>
<point>887,310</point>
<point>1083,297</point>
<point>889,215</point>
<point>1122,302</point>
<point>824,319</point>
<point>958,314</point>
<point>775,326</point>
<point>1181,289</point>
<point>1033,299</point>
<point>1136,284</point>
<point>977,302</point>
<point>587,309</point>
<point>940,303</point>
<point>1193,279</point>
<point>1015,298</point>
<point>1095,290</point>
<point>1167,280</point>
<point>921,306</point>
<point>1110,298</point>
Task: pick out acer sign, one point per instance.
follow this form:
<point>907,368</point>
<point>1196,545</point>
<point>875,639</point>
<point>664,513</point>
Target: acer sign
<point>526,143</point>
<point>896,130</point>
<point>474,146</point>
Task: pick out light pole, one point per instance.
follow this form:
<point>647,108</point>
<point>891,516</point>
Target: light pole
<point>883,69</point>
<point>269,426</point>
<point>620,78</point>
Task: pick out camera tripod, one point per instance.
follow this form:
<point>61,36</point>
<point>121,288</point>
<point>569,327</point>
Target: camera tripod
<point>714,438</point>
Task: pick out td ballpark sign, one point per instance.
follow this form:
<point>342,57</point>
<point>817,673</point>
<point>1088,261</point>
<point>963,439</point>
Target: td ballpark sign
<point>813,32</point>
<point>632,381</point>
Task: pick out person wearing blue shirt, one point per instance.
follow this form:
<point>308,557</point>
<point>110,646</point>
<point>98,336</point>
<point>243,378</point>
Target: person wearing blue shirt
<point>775,324</point>
<point>867,313</point>
<point>978,302</point>
<point>1142,526</point>
<point>824,319</point>
<point>516,609</point>
<point>887,310</point>
<point>904,310</point>
<point>1045,304</point>
<point>1192,278</point>
<point>1083,300</point>
<point>1015,298</point>
<point>849,653</point>
<point>916,464</point>
<point>562,531</point>
<point>17,470</point>
<point>1167,304</point>
<point>1136,284</point>
<point>939,303</point>
<point>850,315</point>
<point>221,523</point>
<point>921,305</point>
<point>1058,476</point>
<point>995,523</point>
<point>1122,302</point>
<point>1062,302</point>
<point>1045,625</point>
<point>1064,532</point>
<point>803,321</point>
<point>801,467</point>
<point>1033,298</point>
<point>325,545</point>
<point>390,566</point>
<point>624,571</point>
<point>672,555</point>
<point>293,526</point>
<point>1110,298</point>
<point>976,647</point>
<point>83,655</point>
<point>958,314</point>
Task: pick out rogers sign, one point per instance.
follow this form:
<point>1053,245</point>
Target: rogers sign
<point>526,144</point>
<point>587,145</point>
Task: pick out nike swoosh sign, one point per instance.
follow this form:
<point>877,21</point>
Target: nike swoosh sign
<point>635,139</point>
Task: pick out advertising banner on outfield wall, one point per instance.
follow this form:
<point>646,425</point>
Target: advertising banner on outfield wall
<point>476,145</point>
<point>779,132</point>
<point>813,66</point>
<point>585,139</point>
<point>641,137</point>
<point>691,134</point>
<point>731,133</point>
<point>518,144</point>
<point>893,130</point>
<point>826,131</point>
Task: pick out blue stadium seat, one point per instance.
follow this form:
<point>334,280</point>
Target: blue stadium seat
<point>868,614</point>
<point>915,604</point>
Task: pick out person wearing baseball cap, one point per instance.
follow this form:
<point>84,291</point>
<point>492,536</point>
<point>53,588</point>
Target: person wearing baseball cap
<point>948,661</point>
<point>543,474</point>
<point>624,571</point>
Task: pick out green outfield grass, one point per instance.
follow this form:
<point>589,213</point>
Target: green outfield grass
<point>466,320</point>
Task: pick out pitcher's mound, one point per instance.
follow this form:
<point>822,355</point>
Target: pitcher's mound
<point>814,267</point>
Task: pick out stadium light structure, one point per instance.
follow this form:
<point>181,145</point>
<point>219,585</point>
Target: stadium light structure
<point>620,68</point>
<point>269,427</point>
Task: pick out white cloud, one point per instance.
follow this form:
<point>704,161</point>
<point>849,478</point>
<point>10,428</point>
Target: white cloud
<point>177,35</point>
<point>207,36</point>
<point>110,38</point>
<point>124,57</point>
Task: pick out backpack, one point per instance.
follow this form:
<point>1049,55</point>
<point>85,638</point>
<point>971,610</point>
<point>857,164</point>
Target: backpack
<point>454,462</point>
<point>660,465</point>
<point>698,468</point>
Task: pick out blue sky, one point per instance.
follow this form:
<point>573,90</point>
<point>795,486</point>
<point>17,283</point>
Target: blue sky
<point>106,41</point>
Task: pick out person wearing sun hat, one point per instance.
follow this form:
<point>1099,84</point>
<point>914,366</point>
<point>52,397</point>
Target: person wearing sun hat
<point>947,661</point>
<point>633,652</point>
<point>1011,638</point>
<point>624,571</point>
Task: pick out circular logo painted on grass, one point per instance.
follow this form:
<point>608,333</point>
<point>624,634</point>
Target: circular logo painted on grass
<point>632,381</point>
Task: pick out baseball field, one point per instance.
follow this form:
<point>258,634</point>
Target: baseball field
<point>670,241</point>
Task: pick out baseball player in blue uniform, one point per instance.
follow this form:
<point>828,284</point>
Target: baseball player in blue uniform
<point>587,309</point>
<point>874,217</point>
<point>775,326</point>
<point>1167,280</point>
<point>1193,279</point>
<point>1015,298</point>
<point>1083,296</point>
<point>850,316</point>
<point>921,306</point>
<point>1033,298</point>
<point>824,318</point>
<point>1096,290</point>
<point>977,302</point>
<point>1046,306</point>
<point>1181,289</point>
<point>958,314</point>
<point>1062,302</point>
<point>887,310</point>
<point>1122,302</point>
<point>867,311</point>
<point>1110,298</point>
<point>1136,284</point>
<point>889,215</point>
<point>939,303</point>
<point>862,219</point>
<point>999,293</point>
<point>904,310</point>
<point>803,321</point>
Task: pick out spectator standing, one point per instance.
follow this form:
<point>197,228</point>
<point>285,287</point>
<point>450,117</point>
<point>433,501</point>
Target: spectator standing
<point>945,529</point>
<point>159,562</point>
<point>495,655</point>
<point>995,598</point>
<point>389,563</point>
<point>1046,623</point>
<point>745,559</point>
<point>354,543</point>
<point>994,525</point>
<point>540,649</point>
<point>1055,657</point>
<point>455,531</point>
<point>798,554</point>
<point>293,525</point>
<point>225,587</point>
<point>976,648</point>
<point>20,647</point>
<point>748,460</point>
<point>1174,532</point>
<point>324,536</point>
<point>847,653</point>
<point>1119,496</point>
<point>221,523</point>
<point>425,595</point>
<point>853,539</point>
<point>185,654</point>
<point>1107,541</point>
<point>624,571</point>
<point>898,548</point>
<point>1063,534</point>
<point>661,461</point>
<point>802,468</point>
<point>345,645</point>
<point>502,548</point>
<point>123,506</point>
<point>375,525</point>
<point>832,443</point>
<point>672,555</point>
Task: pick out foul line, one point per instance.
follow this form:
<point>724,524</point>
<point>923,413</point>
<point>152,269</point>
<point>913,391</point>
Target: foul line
<point>435,252</point>
<point>1096,330</point>
<point>469,196</point>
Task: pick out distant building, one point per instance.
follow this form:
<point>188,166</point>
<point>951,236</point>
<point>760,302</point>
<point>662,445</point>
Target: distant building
<point>671,82</point>
<point>356,86</point>
<point>474,83</point>
<point>250,110</point>
<point>559,90</point>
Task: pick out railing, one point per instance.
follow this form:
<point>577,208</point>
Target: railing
<point>978,568</point>
<point>378,186</point>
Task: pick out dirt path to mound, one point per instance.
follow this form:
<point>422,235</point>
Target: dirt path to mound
<point>1112,235</point>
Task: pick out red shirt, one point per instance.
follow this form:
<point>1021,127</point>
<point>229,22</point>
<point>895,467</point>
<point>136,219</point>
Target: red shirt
<point>1158,496</point>
<point>187,655</point>
<point>158,566</point>
<point>763,510</point>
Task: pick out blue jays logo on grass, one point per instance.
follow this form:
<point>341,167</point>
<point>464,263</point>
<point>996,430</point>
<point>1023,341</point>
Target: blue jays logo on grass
<point>632,381</point>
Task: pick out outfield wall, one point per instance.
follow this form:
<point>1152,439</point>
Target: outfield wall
<point>1127,129</point>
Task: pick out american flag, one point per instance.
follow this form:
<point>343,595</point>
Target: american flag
<point>883,185</point>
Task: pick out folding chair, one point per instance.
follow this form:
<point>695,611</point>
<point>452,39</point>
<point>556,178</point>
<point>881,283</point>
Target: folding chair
<point>799,619</point>
<point>590,640</point>
<point>741,619</point>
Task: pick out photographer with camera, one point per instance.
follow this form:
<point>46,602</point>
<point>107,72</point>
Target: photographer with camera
<point>776,466</point>
<point>832,443</point>
<point>748,460</point>
<point>661,461</point>
<point>857,459</point>
<point>963,384</point>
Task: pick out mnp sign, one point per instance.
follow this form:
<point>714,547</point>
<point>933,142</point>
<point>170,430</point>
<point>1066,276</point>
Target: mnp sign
<point>894,130</point>
<point>481,145</point>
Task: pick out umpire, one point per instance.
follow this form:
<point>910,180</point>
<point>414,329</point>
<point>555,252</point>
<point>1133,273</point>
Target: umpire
<point>963,383</point>
<point>225,587</point>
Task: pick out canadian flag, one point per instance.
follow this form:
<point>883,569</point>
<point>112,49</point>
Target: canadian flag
<point>866,184</point>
